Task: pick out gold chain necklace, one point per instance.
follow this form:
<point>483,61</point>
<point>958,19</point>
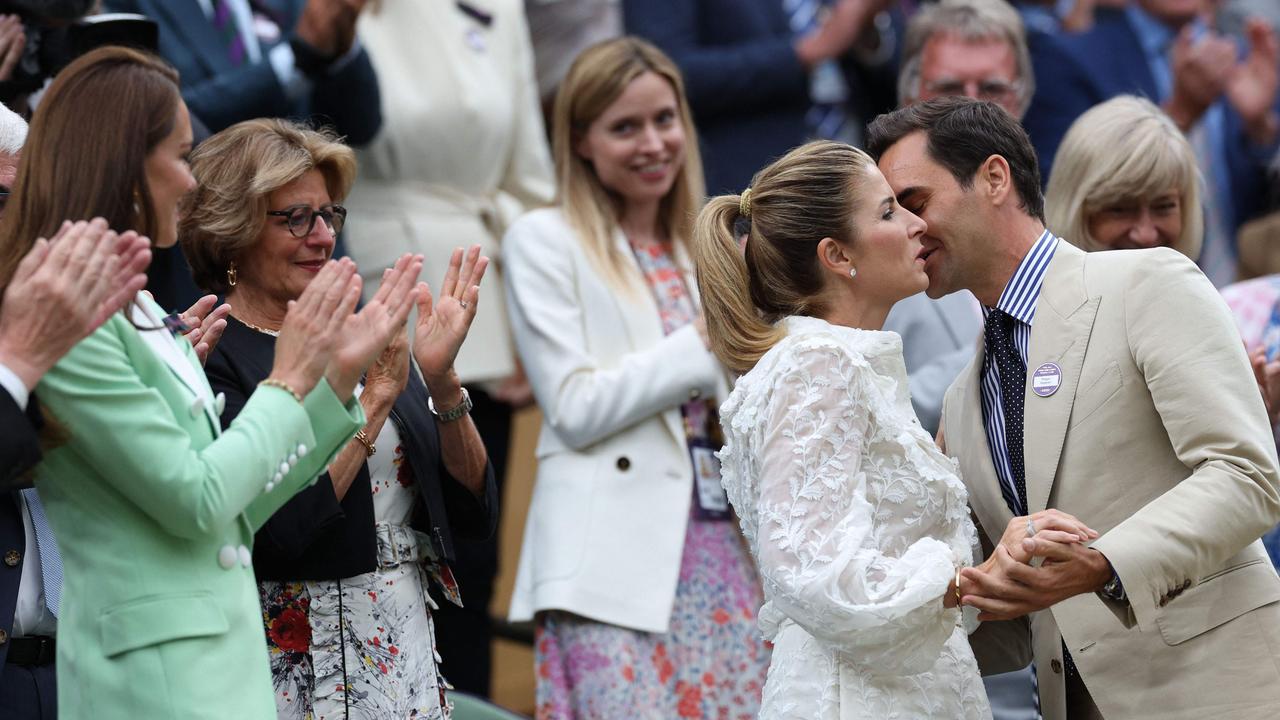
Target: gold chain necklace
<point>251,326</point>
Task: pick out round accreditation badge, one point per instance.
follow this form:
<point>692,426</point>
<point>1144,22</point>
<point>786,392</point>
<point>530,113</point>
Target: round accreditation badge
<point>1046,380</point>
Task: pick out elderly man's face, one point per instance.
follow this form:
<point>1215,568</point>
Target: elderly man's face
<point>8,174</point>
<point>983,70</point>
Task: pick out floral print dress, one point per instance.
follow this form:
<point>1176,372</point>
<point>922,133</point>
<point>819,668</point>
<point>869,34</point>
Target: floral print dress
<point>361,647</point>
<point>712,661</point>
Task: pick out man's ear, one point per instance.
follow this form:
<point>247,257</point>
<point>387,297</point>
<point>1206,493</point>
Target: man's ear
<point>995,180</point>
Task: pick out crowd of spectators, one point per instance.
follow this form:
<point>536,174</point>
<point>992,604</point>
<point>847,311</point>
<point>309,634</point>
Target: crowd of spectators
<point>566,144</point>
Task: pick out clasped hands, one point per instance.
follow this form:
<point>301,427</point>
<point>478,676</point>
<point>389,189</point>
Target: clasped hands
<point>1008,585</point>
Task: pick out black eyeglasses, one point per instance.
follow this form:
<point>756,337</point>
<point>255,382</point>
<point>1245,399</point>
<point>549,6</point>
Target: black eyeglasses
<point>302,218</point>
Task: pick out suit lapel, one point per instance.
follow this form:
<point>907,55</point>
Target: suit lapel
<point>1059,335</point>
<point>966,438</point>
<point>179,359</point>
<point>188,19</point>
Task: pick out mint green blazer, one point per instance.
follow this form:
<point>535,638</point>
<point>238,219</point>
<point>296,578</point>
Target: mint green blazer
<point>154,511</point>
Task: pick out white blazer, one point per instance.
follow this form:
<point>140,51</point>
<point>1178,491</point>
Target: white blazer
<point>461,153</point>
<point>610,506</point>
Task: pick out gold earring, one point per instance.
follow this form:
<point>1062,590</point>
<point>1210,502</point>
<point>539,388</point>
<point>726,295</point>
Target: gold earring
<point>231,275</point>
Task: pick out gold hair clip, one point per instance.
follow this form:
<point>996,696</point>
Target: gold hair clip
<point>744,203</point>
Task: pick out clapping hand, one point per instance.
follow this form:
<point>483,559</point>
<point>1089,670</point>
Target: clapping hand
<point>1201,70</point>
<point>207,323</point>
<point>443,323</point>
<point>13,40</point>
<point>64,289</point>
<point>389,374</point>
<point>368,332</point>
<point>313,327</point>
<point>1251,85</point>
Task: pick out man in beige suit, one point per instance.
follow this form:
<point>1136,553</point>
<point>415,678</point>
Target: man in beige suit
<point>1111,386</point>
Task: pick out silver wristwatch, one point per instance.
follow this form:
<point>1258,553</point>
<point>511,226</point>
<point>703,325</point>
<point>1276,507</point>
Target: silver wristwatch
<point>1114,589</point>
<point>454,412</point>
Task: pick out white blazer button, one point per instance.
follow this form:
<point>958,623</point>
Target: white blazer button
<point>246,557</point>
<point>277,478</point>
<point>269,487</point>
<point>302,450</point>
<point>227,557</point>
<point>219,403</point>
<point>293,459</point>
<point>197,407</point>
<point>284,468</point>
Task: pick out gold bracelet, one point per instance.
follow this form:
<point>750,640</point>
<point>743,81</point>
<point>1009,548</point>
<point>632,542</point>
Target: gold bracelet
<point>363,437</point>
<point>272,382</point>
<point>957,587</point>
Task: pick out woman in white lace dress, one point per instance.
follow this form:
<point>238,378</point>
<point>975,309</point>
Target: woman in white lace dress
<point>858,522</point>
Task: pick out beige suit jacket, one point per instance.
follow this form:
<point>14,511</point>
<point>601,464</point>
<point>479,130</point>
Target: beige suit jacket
<point>1158,439</point>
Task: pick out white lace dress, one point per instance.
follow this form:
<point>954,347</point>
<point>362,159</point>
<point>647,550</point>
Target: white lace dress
<point>858,523</point>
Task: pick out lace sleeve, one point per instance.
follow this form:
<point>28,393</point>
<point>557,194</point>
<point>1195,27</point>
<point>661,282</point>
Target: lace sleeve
<point>821,533</point>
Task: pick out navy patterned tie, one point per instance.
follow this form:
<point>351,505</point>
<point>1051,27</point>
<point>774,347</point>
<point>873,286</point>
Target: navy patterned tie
<point>1013,379</point>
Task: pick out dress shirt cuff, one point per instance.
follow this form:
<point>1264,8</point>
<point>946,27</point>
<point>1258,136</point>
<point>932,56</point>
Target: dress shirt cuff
<point>10,381</point>
<point>285,65</point>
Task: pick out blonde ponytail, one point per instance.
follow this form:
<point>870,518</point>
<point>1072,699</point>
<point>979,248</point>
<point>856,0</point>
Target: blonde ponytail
<point>801,198</point>
<point>739,336</point>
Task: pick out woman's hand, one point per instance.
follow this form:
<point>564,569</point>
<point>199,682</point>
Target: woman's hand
<point>365,334</point>
<point>443,324</point>
<point>207,323</point>
<point>13,40</point>
<point>313,326</point>
<point>389,374</point>
<point>1053,525</point>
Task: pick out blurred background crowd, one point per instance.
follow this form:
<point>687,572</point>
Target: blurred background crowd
<point>609,579</point>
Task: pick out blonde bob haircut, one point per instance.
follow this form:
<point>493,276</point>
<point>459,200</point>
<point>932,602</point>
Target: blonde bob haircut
<point>598,76</point>
<point>236,171</point>
<point>808,194</point>
<point>1125,149</point>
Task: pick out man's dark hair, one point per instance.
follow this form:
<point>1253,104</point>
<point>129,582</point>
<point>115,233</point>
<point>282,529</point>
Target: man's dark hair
<point>961,134</point>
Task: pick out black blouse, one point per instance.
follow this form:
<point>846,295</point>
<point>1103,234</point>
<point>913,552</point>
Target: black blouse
<point>316,537</point>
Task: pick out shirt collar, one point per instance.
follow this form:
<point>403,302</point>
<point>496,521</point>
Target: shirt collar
<point>1020,294</point>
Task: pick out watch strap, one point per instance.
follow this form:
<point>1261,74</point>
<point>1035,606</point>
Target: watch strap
<point>453,413</point>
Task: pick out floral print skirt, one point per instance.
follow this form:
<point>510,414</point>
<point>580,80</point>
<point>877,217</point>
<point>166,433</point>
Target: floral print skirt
<point>710,664</point>
<point>363,647</point>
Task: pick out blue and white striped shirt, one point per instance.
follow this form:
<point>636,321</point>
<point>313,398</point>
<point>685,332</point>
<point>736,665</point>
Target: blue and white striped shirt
<point>1018,300</point>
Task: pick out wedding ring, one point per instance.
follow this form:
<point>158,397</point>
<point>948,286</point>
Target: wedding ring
<point>1031,527</point>
<point>463,303</point>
